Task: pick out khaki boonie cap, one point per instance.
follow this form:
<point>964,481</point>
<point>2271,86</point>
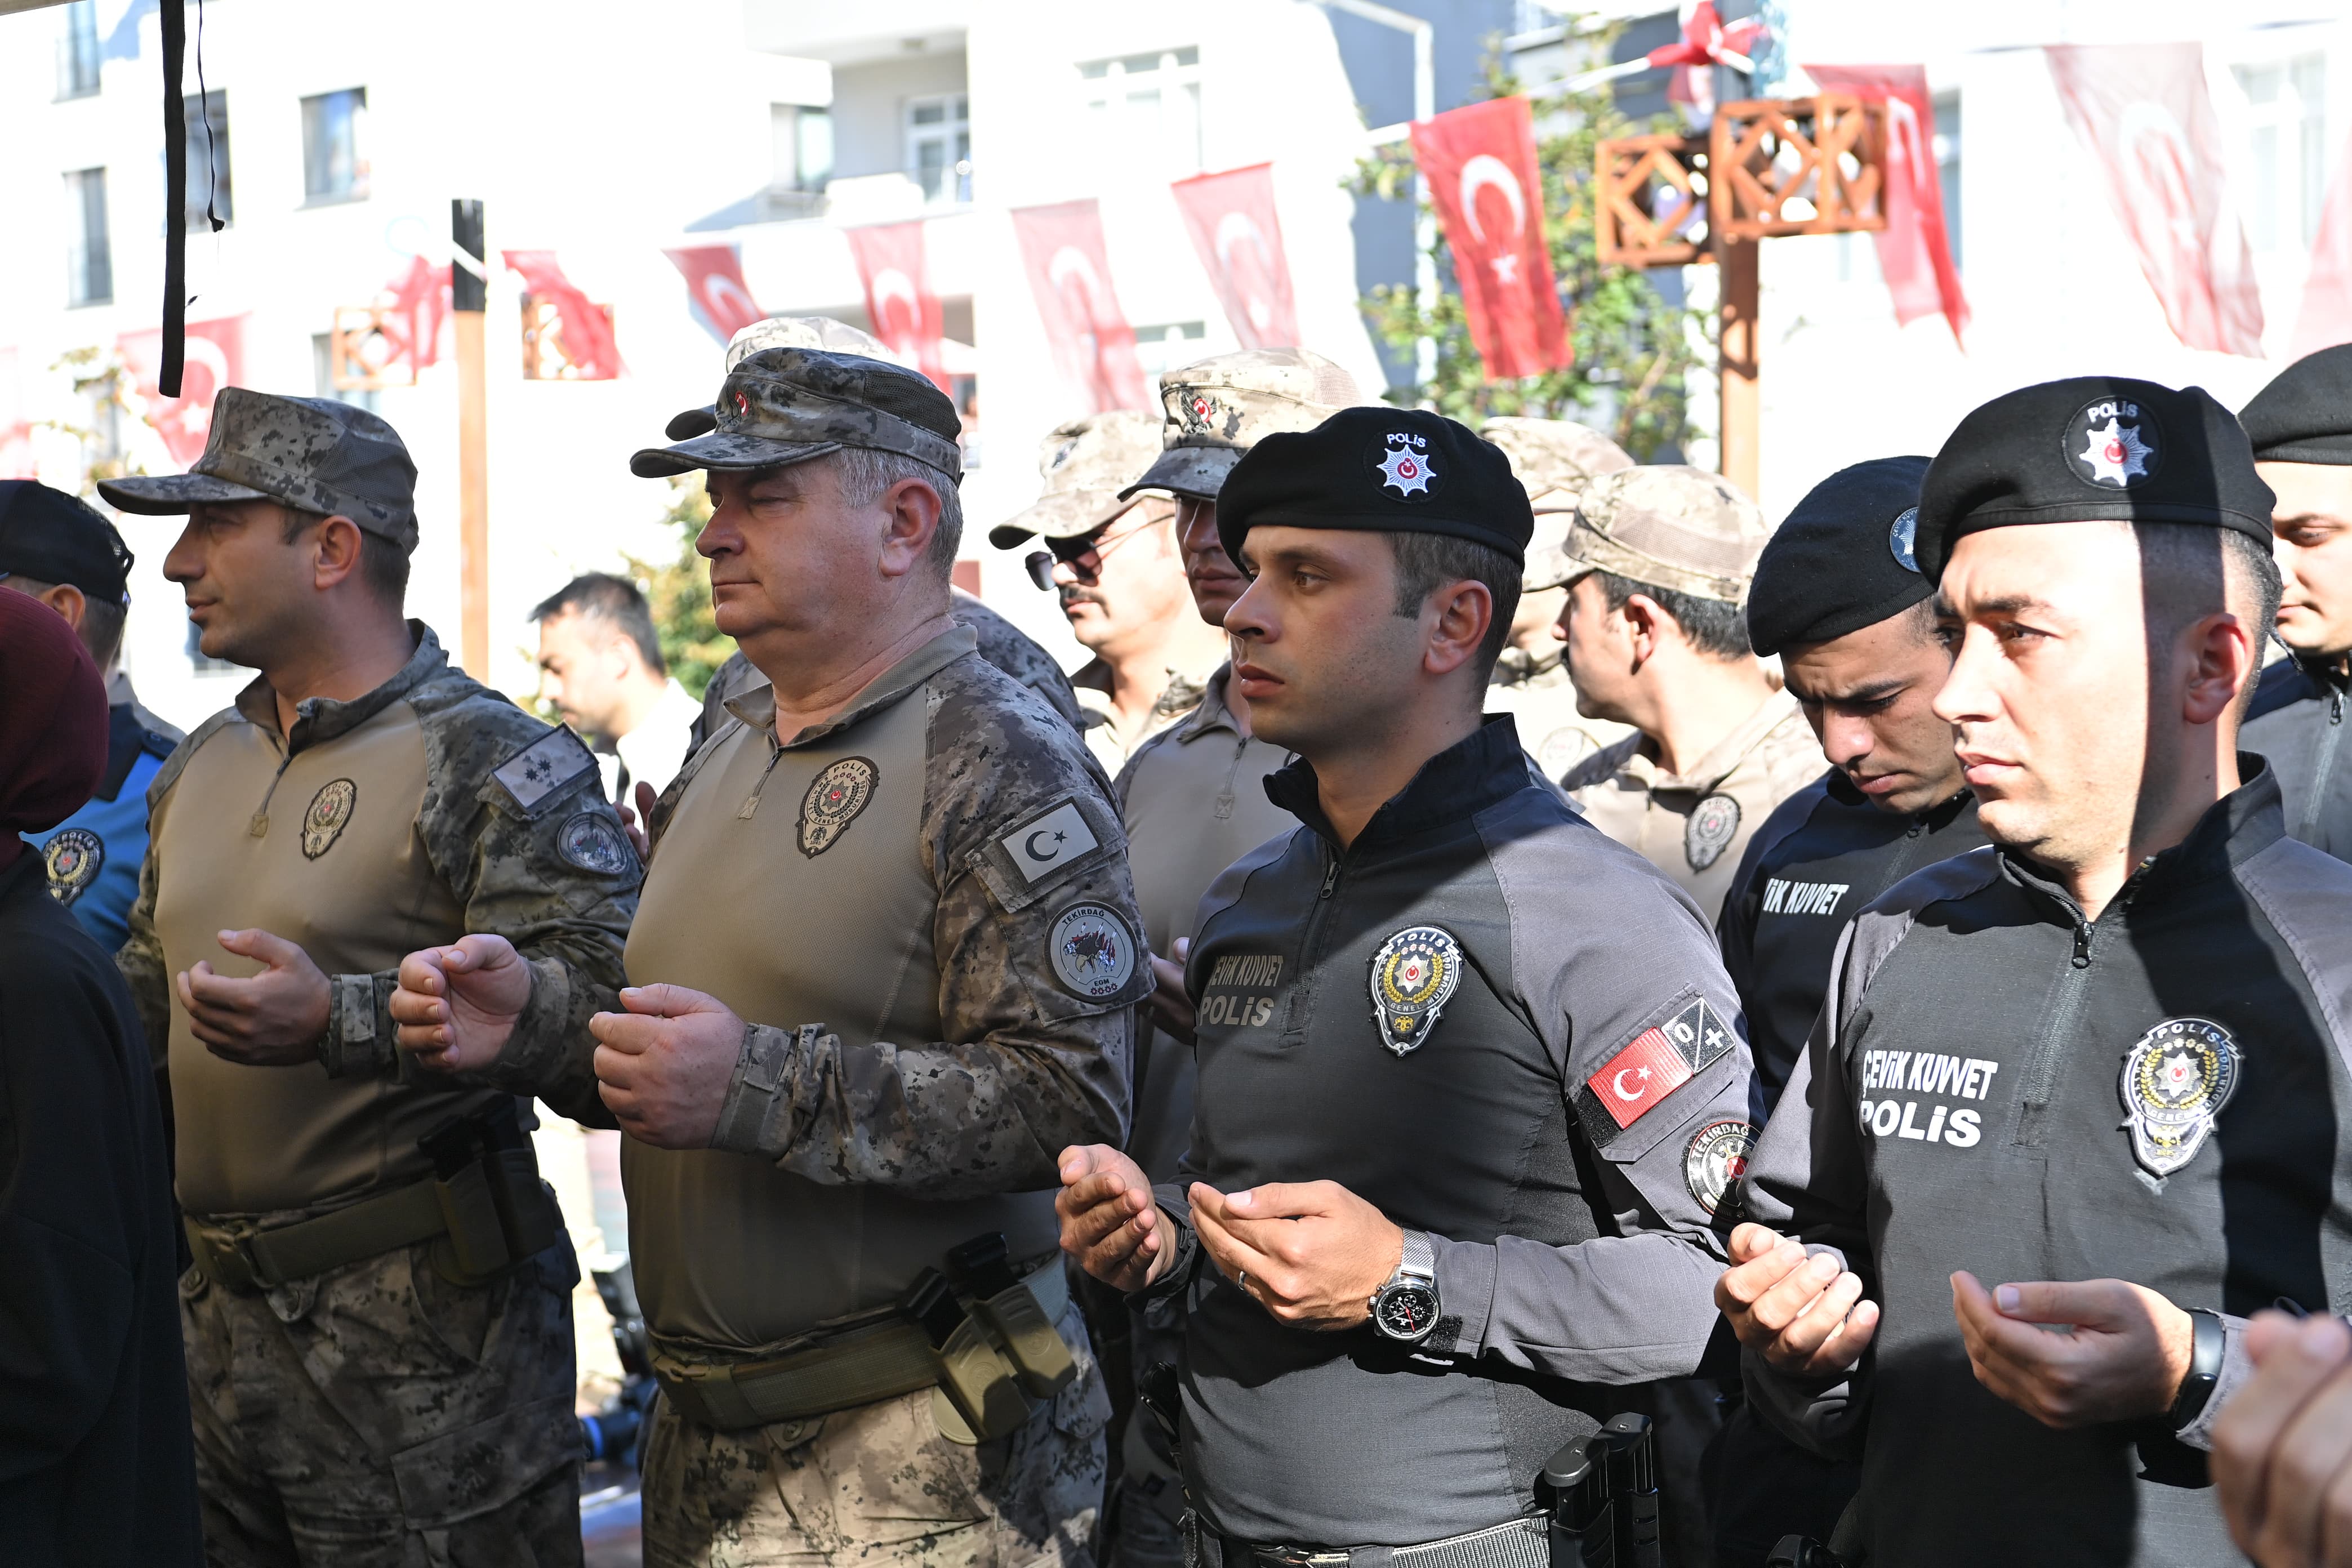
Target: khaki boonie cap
<point>1668,526</point>
<point>791,405</point>
<point>1086,463</point>
<point>1222,407</point>
<point>1555,458</point>
<point>311,453</point>
<point>780,333</point>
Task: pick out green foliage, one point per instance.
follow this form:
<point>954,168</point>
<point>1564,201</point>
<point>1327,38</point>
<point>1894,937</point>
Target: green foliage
<point>678,592</point>
<point>104,378</point>
<point>1633,351</point>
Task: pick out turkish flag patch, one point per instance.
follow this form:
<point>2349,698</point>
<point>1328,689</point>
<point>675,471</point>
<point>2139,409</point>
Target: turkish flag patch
<point>1649,1067</point>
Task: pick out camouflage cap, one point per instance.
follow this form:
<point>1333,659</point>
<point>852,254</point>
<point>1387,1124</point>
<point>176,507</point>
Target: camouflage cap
<point>791,405</point>
<point>1085,462</point>
<point>780,333</point>
<point>1219,407</point>
<point>1668,526</point>
<point>1555,458</point>
<point>310,453</point>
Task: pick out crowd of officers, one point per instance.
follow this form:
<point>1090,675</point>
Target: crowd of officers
<point>1416,994</point>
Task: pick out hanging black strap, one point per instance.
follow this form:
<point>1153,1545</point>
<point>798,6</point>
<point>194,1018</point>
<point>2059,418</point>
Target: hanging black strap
<point>175,17</point>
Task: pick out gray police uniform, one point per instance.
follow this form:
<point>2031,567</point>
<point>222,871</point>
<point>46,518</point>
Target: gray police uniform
<point>2296,723</point>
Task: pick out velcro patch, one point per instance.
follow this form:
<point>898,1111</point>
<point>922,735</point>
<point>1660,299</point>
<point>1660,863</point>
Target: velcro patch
<point>1044,851</point>
<point>1038,849</point>
<point>543,767</point>
<point>1651,1067</point>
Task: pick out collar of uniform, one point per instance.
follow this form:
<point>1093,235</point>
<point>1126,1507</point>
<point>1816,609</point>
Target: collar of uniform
<point>1725,758</point>
<point>757,707</point>
<point>322,718</point>
<point>1517,667</point>
<point>1461,781</point>
<point>2326,673</point>
<point>1212,713</point>
<point>2233,830</point>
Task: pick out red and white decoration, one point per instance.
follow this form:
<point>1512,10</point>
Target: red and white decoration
<point>1238,235</point>
<point>1069,273</point>
<point>716,294</point>
<point>1480,164</point>
<point>2326,317</point>
<point>1707,43</point>
<point>16,429</point>
<point>1636,1078</point>
<point>895,274</point>
<point>1915,251</point>
<point>420,304</point>
<point>587,330</point>
<point>215,358</point>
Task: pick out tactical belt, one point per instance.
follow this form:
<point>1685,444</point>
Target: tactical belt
<point>1518,1544</point>
<point>896,1356</point>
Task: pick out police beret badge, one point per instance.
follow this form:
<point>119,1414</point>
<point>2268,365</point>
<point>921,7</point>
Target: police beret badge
<point>329,813</point>
<point>834,798</point>
<point>1093,951</point>
<point>72,858</point>
<point>2176,1079</point>
<point>1402,462</point>
<point>1714,1161</point>
<point>2114,443</point>
<point>1713,824</point>
<point>1413,976</point>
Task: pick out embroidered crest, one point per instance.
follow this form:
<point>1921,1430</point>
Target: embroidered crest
<point>1714,822</point>
<point>593,842</point>
<point>2176,1080</point>
<point>2115,442</point>
<point>72,859</point>
<point>1043,846</point>
<point>834,798</point>
<point>1093,950</point>
<point>1413,976</point>
<point>543,767</point>
<point>330,811</point>
<point>1903,537</point>
<point>743,404</point>
<point>1403,461</point>
<point>1200,413</point>
<point>1715,1159</point>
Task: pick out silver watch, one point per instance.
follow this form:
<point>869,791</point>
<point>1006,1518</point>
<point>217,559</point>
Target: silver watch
<point>1405,1308</point>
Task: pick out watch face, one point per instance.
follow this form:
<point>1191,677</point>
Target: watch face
<point>1407,1312</point>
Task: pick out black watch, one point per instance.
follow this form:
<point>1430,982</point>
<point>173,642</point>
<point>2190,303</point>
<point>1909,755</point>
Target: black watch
<point>1405,1308</point>
<point>2211,1342</point>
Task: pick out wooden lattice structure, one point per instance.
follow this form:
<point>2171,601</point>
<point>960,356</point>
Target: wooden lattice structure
<point>367,351</point>
<point>544,355</point>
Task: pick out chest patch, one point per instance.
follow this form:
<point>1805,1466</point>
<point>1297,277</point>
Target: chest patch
<point>72,859</point>
<point>834,798</point>
<point>593,842</point>
<point>329,813</point>
<point>1413,976</point>
<point>1242,990</point>
<point>2176,1079</point>
<point>1785,898</point>
<point>1715,1159</point>
<point>1714,822</point>
<point>544,766</point>
<point>1651,1065</point>
<point>1094,951</point>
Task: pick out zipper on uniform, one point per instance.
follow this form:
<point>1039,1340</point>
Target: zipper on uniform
<point>1301,1005</point>
<point>2042,1067</point>
<point>2323,761</point>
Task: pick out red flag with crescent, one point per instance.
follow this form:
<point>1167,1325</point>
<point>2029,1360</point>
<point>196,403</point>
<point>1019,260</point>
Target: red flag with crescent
<point>215,358</point>
<point>1915,250</point>
<point>1069,273</point>
<point>895,270</point>
<point>1480,164</point>
<point>1234,228</point>
<point>588,341</point>
<point>716,294</point>
<point>2144,112</point>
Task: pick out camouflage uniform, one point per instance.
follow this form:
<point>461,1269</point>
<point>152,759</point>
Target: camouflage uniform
<point>921,908</point>
<point>371,1411</point>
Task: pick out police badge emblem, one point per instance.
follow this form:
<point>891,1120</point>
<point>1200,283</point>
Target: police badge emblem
<point>2176,1080</point>
<point>1714,1161</point>
<point>834,800</point>
<point>1903,537</point>
<point>1714,822</point>
<point>2114,442</point>
<point>329,814</point>
<point>72,859</point>
<point>1402,463</point>
<point>593,843</point>
<point>1413,976</point>
<point>1092,950</point>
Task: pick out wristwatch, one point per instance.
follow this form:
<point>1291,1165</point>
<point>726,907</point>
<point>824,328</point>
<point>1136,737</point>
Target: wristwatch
<point>2207,1349</point>
<point>1405,1308</point>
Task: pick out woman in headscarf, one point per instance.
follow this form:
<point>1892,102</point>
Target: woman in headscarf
<point>96,1465</point>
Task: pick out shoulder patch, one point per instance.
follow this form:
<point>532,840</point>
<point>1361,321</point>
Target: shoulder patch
<point>1713,1162</point>
<point>537,772</point>
<point>593,842</point>
<point>1044,845</point>
<point>1650,1066</point>
<point>1045,849</point>
<point>1094,951</point>
<point>72,859</point>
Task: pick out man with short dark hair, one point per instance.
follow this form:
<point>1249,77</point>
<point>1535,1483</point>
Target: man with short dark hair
<point>1658,561</point>
<point>379,1272</point>
<point>61,552</point>
<point>1459,1138</point>
<point>601,664</point>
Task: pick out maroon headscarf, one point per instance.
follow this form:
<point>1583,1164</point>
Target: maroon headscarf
<point>52,720</point>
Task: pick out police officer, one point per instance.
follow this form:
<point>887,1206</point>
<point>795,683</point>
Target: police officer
<point>2141,936</point>
<point>2301,428</point>
<point>1555,459</point>
<point>1658,561</point>
<point>884,971</point>
<point>1459,1139</point>
<point>382,1283</point>
<point>60,552</point>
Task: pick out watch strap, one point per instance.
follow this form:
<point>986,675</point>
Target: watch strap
<point>1420,1258</point>
<point>2209,1345</point>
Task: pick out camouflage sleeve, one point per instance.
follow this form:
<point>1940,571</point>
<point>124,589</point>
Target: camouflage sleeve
<point>1038,948</point>
<point>141,960</point>
<point>1014,652</point>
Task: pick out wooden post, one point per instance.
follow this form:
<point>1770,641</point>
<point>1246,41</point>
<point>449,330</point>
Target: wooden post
<point>468,297</point>
<point>1741,441</point>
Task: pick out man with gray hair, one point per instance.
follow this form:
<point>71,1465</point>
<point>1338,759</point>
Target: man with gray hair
<point>884,969</point>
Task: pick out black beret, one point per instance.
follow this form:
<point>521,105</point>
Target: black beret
<point>2304,415</point>
<point>52,537</point>
<point>1393,470</point>
<point>2090,448</point>
<point>1842,560</point>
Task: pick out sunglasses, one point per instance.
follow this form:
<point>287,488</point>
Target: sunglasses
<point>1082,553</point>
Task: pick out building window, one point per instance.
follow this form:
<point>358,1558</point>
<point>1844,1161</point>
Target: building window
<point>939,147</point>
<point>77,56</point>
<point>90,253</point>
<point>802,146</point>
<point>1145,110</point>
<point>334,166</point>
<point>206,119</point>
<point>1164,347</point>
<point>322,373</point>
<point>1947,166</point>
<point>2286,127</point>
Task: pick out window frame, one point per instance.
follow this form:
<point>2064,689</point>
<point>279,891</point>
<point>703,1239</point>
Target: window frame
<point>357,188</point>
<point>89,251</point>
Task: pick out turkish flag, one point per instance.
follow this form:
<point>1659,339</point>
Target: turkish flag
<point>1480,164</point>
<point>715,293</point>
<point>1915,251</point>
<point>2144,111</point>
<point>1069,273</point>
<point>420,306</point>
<point>891,264</point>
<point>586,329</point>
<point>1637,1078</point>
<point>1232,220</point>
<point>2326,318</point>
<point>215,358</point>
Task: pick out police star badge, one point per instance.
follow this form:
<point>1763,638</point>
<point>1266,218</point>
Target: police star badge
<point>1715,1159</point>
<point>1714,822</point>
<point>1402,463</point>
<point>2176,1080</point>
<point>72,859</point>
<point>328,814</point>
<point>1093,951</point>
<point>1413,976</point>
<point>834,798</point>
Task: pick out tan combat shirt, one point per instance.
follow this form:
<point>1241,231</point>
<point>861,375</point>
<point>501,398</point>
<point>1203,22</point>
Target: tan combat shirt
<point>1542,700</point>
<point>426,809</point>
<point>1695,826</point>
<point>922,910</point>
<point>1112,746</point>
<point>1193,798</point>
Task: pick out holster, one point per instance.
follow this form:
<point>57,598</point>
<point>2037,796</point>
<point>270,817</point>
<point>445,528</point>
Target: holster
<point>1601,1495</point>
